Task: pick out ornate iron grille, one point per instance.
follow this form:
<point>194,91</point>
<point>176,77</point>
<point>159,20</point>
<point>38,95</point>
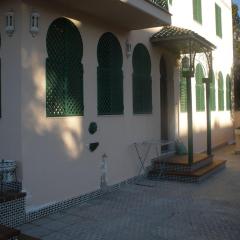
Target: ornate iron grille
<point>109,75</point>
<point>142,81</point>
<point>64,70</point>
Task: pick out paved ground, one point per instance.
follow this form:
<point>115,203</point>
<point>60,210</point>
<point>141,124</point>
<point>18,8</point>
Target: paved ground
<point>156,211</point>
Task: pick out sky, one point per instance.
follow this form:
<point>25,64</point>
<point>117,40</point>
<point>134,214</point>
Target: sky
<point>238,3</point>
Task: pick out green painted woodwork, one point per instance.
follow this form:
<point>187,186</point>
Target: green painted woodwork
<point>190,118</point>
<point>197,10</point>
<point>142,80</point>
<point>161,3</point>
<point>212,93</point>
<point>92,128</point>
<point>183,94</point>
<point>228,92</point>
<point>220,92</point>
<point>200,94</point>
<point>109,76</point>
<point>218,17</point>
<point>64,70</point>
<point>93,146</point>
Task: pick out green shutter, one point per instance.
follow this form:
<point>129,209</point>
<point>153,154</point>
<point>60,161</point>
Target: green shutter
<point>142,81</point>
<point>197,10</point>
<point>228,93</point>
<point>220,92</point>
<point>212,93</point>
<point>109,75</point>
<point>200,93</point>
<point>183,94</point>
<point>218,16</point>
<point>64,70</point>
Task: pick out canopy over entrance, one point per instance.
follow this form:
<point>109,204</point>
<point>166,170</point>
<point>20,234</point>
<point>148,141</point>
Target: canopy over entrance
<point>186,42</point>
<point>178,40</point>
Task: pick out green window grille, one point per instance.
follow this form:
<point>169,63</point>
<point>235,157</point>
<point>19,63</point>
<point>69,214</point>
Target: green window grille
<point>218,16</point>
<point>64,70</point>
<point>212,93</point>
<point>197,10</point>
<point>228,92</point>
<point>142,80</point>
<point>200,93</point>
<point>220,92</point>
<point>109,76</point>
<point>183,94</point>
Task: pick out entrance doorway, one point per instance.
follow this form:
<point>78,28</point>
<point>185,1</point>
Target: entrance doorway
<point>164,100</point>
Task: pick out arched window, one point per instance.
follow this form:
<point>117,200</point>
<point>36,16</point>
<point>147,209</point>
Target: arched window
<point>228,92</point>
<point>109,75</point>
<point>220,92</point>
<point>64,70</point>
<point>200,94</point>
<point>212,93</point>
<point>142,81</point>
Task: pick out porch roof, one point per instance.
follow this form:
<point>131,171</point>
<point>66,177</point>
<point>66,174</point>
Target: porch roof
<point>180,40</point>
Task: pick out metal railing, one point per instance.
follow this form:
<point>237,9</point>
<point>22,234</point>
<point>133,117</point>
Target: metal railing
<point>160,3</point>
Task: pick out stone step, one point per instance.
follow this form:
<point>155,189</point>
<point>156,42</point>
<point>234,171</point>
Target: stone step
<point>191,176</point>
<point>180,163</point>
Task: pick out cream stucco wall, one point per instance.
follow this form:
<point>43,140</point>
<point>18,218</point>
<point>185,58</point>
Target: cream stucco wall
<point>56,162</point>
<point>10,140</point>
<point>52,152</point>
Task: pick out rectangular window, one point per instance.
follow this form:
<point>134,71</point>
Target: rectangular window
<point>197,10</point>
<point>218,16</point>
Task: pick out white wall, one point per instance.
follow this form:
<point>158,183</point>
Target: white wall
<point>222,61</point>
<point>56,162</point>
<point>10,140</point>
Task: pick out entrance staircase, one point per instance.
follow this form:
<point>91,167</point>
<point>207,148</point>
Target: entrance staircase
<point>177,168</point>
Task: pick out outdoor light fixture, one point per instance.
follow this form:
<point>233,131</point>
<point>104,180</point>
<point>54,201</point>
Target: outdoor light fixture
<point>128,48</point>
<point>188,66</point>
<point>34,23</point>
<point>10,23</point>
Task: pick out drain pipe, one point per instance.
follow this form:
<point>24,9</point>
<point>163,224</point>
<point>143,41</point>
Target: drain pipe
<point>103,167</point>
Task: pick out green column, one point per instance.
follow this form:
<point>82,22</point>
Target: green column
<point>190,122</point>
<point>209,140</point>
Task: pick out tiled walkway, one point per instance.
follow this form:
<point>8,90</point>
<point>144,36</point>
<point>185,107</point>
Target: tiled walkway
<point>155,211</point>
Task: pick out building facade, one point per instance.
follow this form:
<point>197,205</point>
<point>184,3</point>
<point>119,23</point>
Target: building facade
<point>92,62</point>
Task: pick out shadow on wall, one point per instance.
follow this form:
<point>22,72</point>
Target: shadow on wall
<point>69,130</point>
<point>220,135</point>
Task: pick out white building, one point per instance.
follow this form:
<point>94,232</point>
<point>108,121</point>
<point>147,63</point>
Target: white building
<point>46,113</point>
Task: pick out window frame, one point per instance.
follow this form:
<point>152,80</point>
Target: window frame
<point>200,89</point>
<point>218,20</point>
<point>141,90</point>
<point>197,11</point>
